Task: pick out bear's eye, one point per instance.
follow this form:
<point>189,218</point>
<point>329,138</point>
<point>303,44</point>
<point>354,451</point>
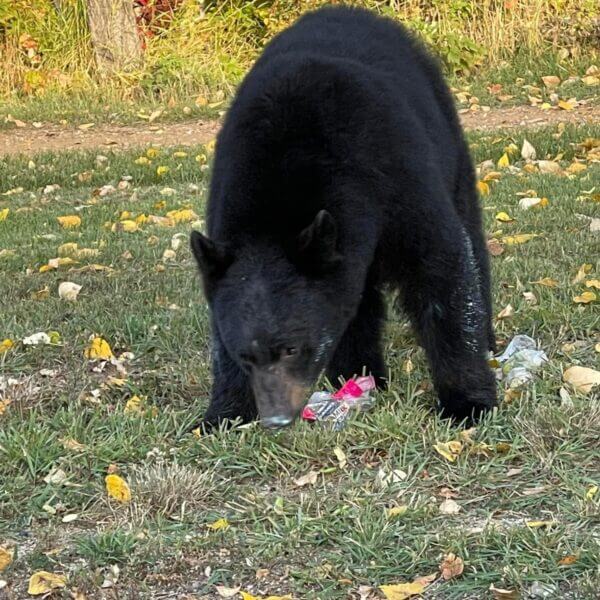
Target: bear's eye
<point>291,351</point>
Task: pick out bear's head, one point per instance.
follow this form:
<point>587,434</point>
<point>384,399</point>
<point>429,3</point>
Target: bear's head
<point>279,309</point>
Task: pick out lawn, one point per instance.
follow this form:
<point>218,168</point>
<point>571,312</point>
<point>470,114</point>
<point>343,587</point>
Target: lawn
<point>518,507</point>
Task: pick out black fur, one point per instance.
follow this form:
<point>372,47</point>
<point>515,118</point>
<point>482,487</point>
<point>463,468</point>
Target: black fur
<point>342,168</point>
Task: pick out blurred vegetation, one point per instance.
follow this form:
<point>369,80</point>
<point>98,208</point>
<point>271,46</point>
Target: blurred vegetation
<point>203,47</point>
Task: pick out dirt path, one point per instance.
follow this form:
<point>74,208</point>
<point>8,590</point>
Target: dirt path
<point>30,140</point>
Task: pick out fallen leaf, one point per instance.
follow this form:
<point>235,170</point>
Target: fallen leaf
<point>339,454</point>
<point>592,491</point>
<point>4,214</point>
<point>6,557</point>
<point>127,226</point>
<point>402,591</point>
<point>551,81</point>
<point>495,247</point>
<point>583,379</point>
<point>566,105</point>
<point>183,215</point>
<point>506,313</point>
<point>227,592</point>
<point>384,479</point>
<point>527,203</point>
<point>576,167</point>
<point>504,161</point>
<point>530,298</point>
<point>548,167</point>
<point>503,594</point>
<point>68,290</point>
<point>504,217</point>
<point>55,263</point>
<point>99,349</point>
<point>35,339</point>
<point>247,596</point>
<point>595,224</point>
<point>521,238</point>
<point>70,518</point>
<point>6,345</point>
<point>538,524</point>
<point>219,524</point>
<point>69,221</point>
<point>117,488</point>
<point>568,560</point>
<point>449,507</point>
<point>483,187</point>
<point>452,566</point>
<point>396,511</point>
<point>582,273</point>
<point>162,170</point>
<point>449,450</point>
<point>71,444</point>
<point>547,282</point>
<point>527,150</point>
<point>43,582</point>
<point>133,405</point>
<point>309,479</point>
<point>585,298</point>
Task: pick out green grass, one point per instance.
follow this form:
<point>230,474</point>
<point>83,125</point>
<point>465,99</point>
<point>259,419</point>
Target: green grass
<point>316,542</point>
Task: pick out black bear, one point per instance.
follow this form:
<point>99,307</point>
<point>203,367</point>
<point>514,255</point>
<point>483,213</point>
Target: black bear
<point>341,170</point>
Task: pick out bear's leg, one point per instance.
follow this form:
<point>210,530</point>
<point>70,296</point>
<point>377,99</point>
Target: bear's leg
<point>231,397</point>
<point>444,299</point>
<point>467,201</point>
<point>360,346</point>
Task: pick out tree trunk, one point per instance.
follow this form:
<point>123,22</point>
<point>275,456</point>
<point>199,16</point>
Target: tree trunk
<point>114,34</point>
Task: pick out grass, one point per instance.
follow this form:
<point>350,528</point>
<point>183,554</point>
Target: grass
<point>320,541</point>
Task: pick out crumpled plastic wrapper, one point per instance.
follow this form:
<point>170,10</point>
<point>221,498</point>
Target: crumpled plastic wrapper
<point>335,407</point>
<point>520,361</point>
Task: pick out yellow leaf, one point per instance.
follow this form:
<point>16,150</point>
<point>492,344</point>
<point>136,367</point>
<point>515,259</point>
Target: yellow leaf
<point>4,404</point>
<point>585,298</point>
<point>71,444</point>
<point>99,349</point>
<point>219,524</point>
<point>162,170</point>
<point>68,249</point>
<point>247,596</point>
<point>575,168</point>
<point>6,345</point>
<point>551,81</point>
<point>127,226</point>
<point>521,238</point>
<point>69,221</point>
<point>55,263</point>
<point>547,282</point>
<point>117,488</point>
<point>396,511</point>
<point>565,105</point>
<point>583,270</point>
<point>595,283</point>
<point>179,154</point>
<point>6,557</point>
<point>449,450</point>
<point>4,214</point>
<point>152,152</point>
<point>597,348</point>
<point>182,215</point>
<point>589,495</point>
<point>134,405</point>
<point>483,187</point>
<point>401,591</point>
<point>504,217</point>
<point>43,582</point>
<point>583,379</point>
<point>504,161</point>
<point>142,160</point>
<point>538,524</point>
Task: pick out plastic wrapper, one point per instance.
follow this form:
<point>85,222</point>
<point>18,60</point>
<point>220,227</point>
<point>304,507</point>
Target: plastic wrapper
<point>520,361</point>
<point>335,407</point>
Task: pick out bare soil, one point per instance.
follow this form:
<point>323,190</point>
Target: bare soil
<point>54,138</point>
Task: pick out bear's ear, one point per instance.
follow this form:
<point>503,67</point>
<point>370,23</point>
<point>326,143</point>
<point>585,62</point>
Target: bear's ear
<point>212,258</point>
<point>317,244</point>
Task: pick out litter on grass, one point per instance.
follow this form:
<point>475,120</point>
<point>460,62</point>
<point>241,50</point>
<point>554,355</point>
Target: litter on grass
<point>335,407</point>
<point>520,361</point>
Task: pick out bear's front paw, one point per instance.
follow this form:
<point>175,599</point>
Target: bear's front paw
<point>468,405</point>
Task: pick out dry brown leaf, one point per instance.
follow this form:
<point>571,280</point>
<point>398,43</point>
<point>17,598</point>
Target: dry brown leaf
<point>452,566</point>
<point>583,379</point>
<point>506,313</point>
<point>504,594</point>
<point>309,479</point>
